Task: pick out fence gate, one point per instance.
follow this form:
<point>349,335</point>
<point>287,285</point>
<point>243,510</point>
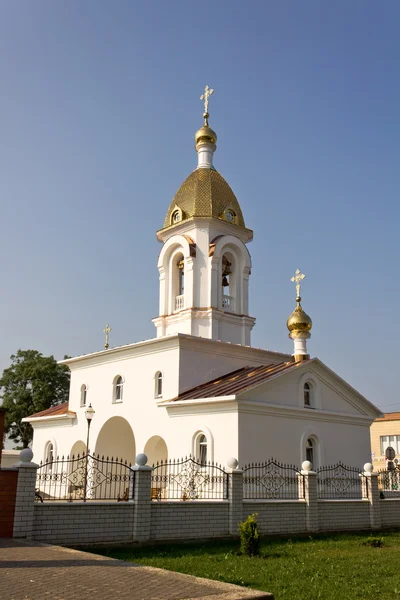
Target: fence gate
<point>85,478</point>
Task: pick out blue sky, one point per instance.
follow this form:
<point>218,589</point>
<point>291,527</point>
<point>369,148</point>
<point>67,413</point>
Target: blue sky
<point>99,103</point>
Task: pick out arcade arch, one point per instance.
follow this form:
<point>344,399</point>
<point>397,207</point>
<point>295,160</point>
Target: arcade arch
<point>116,439</point>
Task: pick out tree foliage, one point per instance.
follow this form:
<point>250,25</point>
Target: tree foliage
<point>31,384</point>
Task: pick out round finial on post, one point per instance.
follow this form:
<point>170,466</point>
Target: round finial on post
<point>141,460</point>
<point>368,468</point>
<point>26,455</point>
<point>306,466</point>
<point>232,463</point>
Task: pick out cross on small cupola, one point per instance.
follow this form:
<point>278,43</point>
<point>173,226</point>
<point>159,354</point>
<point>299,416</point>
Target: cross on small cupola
<point>297,278</point>
<point>107,331</point>
<point>299,323</point>
<point>206,97</point>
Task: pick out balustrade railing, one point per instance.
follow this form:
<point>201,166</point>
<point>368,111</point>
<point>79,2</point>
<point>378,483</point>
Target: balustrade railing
<point>85,478</point>
<point>227,302</point>
<point>272,481</point>
<point>179,302</point>
<point>341,482</point>
<point>189,479</point>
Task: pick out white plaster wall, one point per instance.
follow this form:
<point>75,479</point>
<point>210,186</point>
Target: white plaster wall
<point>263,436</point>
<point>220,428</point>
<point>139,406</point>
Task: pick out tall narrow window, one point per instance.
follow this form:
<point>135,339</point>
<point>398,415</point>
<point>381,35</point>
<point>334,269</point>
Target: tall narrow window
<point>119,389</point>
<point>310,451</point>
<point>49,456</point>
<point>181,267</point>
<point>83,395</point>
<point>202,450</point>
<point>158,384</point>
<point>307,395</point>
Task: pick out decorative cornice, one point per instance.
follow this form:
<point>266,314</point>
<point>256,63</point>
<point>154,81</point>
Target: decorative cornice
<point>242,406</point>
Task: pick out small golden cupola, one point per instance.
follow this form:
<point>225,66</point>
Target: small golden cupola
<point>205,193</point>
<point>299,323</point>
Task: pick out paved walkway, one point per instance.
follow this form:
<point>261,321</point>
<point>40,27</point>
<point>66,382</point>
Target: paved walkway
<point>34,571</point>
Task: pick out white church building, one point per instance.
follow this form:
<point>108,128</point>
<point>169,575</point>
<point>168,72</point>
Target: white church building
<point>199,387</point>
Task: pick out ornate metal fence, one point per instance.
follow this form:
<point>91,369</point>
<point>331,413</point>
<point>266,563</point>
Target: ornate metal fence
<point>85,478</point>
<point>188,479</point>
<point>272,480</point>
<point>341,482</point>
<point>389,483</point>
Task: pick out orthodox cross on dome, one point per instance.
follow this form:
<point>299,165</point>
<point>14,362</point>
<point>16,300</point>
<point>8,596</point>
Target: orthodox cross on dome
<point>207,93</point>
<point>297,277</point>
<point>107,331</point>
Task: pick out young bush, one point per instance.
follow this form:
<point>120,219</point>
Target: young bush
<point>374,542</point>
<point>250,536</point>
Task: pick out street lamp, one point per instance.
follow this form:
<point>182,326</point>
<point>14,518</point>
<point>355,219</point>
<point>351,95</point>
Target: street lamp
<point>89,414</point>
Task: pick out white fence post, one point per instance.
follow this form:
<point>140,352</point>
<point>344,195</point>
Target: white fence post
<point>310,496</point>
<point>235,496</point>
<point>142,499</point>
<point>372,492</point>
<point>25,499</point>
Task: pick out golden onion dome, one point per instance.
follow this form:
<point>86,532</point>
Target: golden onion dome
<point>205,193</point>
<point>299,320</point>
<point>205,135</point>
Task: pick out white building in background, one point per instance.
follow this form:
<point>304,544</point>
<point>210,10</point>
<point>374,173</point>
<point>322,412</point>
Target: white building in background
<point>199,387</point>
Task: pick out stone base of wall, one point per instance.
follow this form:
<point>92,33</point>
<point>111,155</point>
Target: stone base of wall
<point>83,523</point>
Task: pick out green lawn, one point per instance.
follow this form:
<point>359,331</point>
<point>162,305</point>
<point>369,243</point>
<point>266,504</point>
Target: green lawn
<point>336,567</point>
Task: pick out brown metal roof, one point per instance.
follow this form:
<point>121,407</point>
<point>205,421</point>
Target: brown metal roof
<point>393,416</point>
<point>54,411</point>
<point>236,382</point>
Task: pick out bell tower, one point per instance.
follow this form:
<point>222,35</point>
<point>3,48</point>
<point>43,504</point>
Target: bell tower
<point>204,264</point>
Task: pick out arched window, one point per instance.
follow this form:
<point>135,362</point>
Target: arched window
<point>202,449</point>
<point>230,215</point>
<point>158,384</point>
<point>176,216</point>
<point>118,389</point>
<point>310,450</point>
<point>307,395</point>
<point>49,456</point>
<point>83,395</point>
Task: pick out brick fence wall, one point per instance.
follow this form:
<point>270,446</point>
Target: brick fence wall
<point>83,523</point>
<point>279,516</point>
<point>180,520</point>
<point>8,493</point>
<point>343,515</point>
<point>143,519</point>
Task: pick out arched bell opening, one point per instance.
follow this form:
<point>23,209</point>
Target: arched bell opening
<point>177,278</point>
<point>229,283</point>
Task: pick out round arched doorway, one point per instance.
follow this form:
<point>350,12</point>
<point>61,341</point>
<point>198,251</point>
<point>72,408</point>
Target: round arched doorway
<point>78,449</point>
<point>156,450</point>
<point>116,440</point>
